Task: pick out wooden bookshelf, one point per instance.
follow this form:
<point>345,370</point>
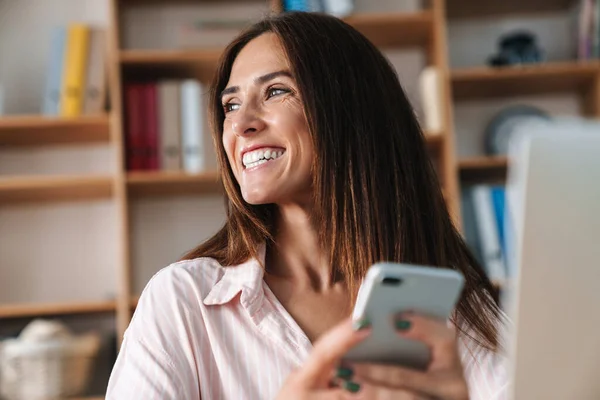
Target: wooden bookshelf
<point>34,130</point>
<point>397,30</point>
<point>55,309</point>
<point>488,82</point>
<point>478,9</point>
<point>483,169</point>
<point>141,184</point>
<point>51,188</point>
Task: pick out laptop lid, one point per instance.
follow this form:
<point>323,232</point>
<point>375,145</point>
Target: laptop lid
<point>553,203</point>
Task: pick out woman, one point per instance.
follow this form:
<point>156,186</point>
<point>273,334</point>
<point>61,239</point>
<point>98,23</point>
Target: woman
<point>326,172</point>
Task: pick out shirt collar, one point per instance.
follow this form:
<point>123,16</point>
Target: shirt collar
<point>246,278</point>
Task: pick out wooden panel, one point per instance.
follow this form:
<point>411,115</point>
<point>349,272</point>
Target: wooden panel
<point>156,64</point>
<point>54,309</point>
<point>47,188</point>
<point>435,141</point>
<point>33,130</point>
<point>486,82</point>
<point>172,183</point>
<point>485,8</point>
<point>394,29</point>
<point>483,169</point>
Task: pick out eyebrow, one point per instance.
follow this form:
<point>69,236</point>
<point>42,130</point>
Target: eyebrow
<point>260,80</point>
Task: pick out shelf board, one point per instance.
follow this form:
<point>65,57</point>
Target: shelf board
<point>483,169</point>
<point>170,57</point>
<point>172,183</point>
<point>155,64</point>
<point>49,188</point>
<point>49,309</point>
<point>478,8</point>
<point>559,77</point>
<point>134,301</point>
<point>394,29</point>
<point>36,130</point>
<point>434,139</point>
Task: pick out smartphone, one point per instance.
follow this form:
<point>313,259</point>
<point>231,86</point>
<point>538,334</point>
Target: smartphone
<point>390,288</point>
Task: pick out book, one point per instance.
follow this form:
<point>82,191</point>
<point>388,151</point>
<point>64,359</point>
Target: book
<point>134,130</point>
<point>295,5</point>
<point>52,92</point>
<point>339,8</point>
<point>95,88</point>
<point>498,200</point>
<point>73,80</point>
<point>169,112</point>
<point>470,229</point>
<point>585,30</point>
<point>487,229</point>
<point>430,87</point>
<point>192,141</point>
<point>150,113</point>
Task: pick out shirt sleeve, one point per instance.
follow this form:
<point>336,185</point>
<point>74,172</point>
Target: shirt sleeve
<point>485,371</point>
<point>155,361</point>
<point>143,372</point>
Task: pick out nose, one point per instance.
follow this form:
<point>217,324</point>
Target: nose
<point>247,121</point>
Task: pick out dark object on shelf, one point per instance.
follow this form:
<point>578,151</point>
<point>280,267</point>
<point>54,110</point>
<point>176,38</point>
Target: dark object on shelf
<point>517,48</point>
<point>501,128</point>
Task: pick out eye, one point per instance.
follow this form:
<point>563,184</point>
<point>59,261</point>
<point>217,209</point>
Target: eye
<point>276,92</point>
<point>227,107</point>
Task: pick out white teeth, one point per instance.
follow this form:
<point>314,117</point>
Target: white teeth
<point>261,156</point>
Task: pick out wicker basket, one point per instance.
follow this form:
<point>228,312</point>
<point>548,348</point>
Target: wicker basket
<point>47,366</point>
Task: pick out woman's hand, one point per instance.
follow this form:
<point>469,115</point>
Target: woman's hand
<point>443,379</point>
<point>314,379</point>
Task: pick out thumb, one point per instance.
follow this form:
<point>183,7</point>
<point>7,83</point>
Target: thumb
<point>327,352</point>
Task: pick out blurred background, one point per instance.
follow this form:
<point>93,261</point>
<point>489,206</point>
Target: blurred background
<point>107,171</point>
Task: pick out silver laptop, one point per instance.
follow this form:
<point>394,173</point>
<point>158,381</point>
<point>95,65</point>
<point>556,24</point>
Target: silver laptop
<point>553,203</point>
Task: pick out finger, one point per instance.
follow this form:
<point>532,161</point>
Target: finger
<point>430,385</point>
<point>332,394</point>
<point>435,333</point>
<point>392,377</point>
<point>371,389</point>
<point>328,350</point>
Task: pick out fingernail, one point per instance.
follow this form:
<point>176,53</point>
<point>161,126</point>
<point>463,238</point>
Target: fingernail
<point>402,325</point>
<point>344,373</point>
<point>360,324</point>
<point>350,386</point>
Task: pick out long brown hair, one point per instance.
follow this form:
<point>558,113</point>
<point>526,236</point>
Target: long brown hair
<point>376,193</point>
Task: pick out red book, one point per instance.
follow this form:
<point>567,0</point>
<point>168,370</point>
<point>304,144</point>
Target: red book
<point>151,127</point>
<point>134,132</point>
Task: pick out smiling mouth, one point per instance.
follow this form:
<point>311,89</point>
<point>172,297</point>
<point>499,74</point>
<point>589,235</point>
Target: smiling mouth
<point>260,156</point>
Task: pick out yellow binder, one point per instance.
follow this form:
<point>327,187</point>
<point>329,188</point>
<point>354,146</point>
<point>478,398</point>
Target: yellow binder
<point>73,90</point>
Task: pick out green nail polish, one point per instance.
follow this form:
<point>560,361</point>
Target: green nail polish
<point>344,373</point>
<point>361,324</point>
<point>402,325</point>
<point>352,387</point>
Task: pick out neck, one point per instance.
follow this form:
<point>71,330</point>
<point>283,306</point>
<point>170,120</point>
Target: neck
<point>296,255</point>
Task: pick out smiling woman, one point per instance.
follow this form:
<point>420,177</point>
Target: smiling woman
<point>326,172</point>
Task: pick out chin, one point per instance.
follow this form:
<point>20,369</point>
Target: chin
<point>256,197</point>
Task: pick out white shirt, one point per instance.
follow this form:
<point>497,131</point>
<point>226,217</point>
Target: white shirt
<point>205,331</point>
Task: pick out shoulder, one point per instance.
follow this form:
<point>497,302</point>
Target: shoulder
<point>175,294</point>
<point>185,278</point>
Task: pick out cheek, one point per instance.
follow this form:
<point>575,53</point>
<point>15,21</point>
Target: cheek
<point>229,145</point>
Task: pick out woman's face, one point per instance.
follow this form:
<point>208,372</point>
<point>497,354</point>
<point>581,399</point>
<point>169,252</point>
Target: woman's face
<point>265,132</point>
